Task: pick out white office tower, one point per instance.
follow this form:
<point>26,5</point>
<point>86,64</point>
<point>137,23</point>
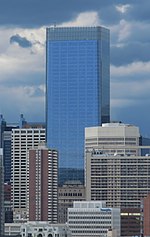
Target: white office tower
<point>1,193</point>
<point>113,138</point>
<point>22,140</point>
<point>115,171</point>
<point>93,219</point>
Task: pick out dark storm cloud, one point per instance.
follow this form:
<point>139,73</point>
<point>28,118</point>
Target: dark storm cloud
<point>22,41</point>
<point>129,53</point>
<point>139,10</point>
<point>35,13</point>
<point>31,13</point>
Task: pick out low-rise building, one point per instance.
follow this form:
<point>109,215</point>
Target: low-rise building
<point>44,229</point>
<point>93,219</point>
<point>37,229</point>
<point>71,191</point>
<point>12,229</point>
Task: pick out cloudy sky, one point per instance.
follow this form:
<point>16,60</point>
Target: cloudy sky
<point>22,54</point>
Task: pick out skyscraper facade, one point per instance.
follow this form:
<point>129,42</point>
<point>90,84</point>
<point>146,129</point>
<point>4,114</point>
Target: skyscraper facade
<point>43,182</point>
<point>77,88</point>
<point>121,180</point>
<point>22,140</point>
<point>5,143</point>
<point>1,193</point>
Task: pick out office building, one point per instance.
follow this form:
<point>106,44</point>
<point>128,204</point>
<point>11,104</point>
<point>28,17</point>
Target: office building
<point>1,194</point>
<point>93,219</point>
<point>44,229</point>
<point>121,180</point>
<point>22,140</point>
<point>43,184</point>
<point>115,171</point>
<point>12,229</point>
<point>71,191</point>
<point>5,143</point>
<point>146,216</point>
<point>111,137</point>
<point>7,203</point>
<point>70,174</point>
<point>77,88</point>
<point>130,222</point>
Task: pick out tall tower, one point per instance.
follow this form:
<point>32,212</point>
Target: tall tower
<point>77,88</point>
<point>22,140</point>
<point>43,182</point>
<point>115,170</point>
<point>1,193</point>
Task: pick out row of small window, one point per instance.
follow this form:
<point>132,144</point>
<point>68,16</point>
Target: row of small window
<point>93,230</point>
<point>29,131</point>
<point>92,224</point>
<point>90,213</point>
<point>92,217</point>
<point>70,194</point>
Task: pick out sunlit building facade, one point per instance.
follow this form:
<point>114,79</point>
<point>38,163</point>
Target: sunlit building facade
<point>77,88</point>
<point>22,140</point>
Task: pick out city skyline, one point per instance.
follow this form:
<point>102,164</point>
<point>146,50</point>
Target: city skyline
<point>22,55</point>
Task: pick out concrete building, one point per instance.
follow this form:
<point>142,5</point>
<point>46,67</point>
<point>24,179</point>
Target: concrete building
<point>70,174</point>
<point>44,229</point>
<point>5,143</point>
<point>13,229</point>
<point>146,216</point>
<point>77,88</point>
<point>93,219</point>
<point>7,203</point>
<point>1,193</point>
<point>71,191</point>
<point>113,138</point>
<point>130,222</point>
<point>43,184</point>
<point>5,140</point>
<point>121,180</point>
<point>117,171</point>
<point>22,140</point>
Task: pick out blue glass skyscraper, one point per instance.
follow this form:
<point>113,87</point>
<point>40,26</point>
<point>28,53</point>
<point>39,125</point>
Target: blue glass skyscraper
<point>77,88</point>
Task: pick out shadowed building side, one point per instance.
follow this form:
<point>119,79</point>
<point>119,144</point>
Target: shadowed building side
<point>43,181</point>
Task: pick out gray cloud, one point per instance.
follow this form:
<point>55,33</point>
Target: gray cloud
<point>139,10</point>
<point>37,92</point>
<point>133,115</point>
<point>22,41</point>
<point>24,79</point>
<point>129,53</point>
<point>36,12</point>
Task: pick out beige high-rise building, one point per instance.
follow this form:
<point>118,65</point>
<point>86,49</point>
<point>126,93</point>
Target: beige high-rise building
<point>115,171</point>
<point>22,140</point>
<point>113,138</point>
<point>120,180</point>
<point>43,184</point>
